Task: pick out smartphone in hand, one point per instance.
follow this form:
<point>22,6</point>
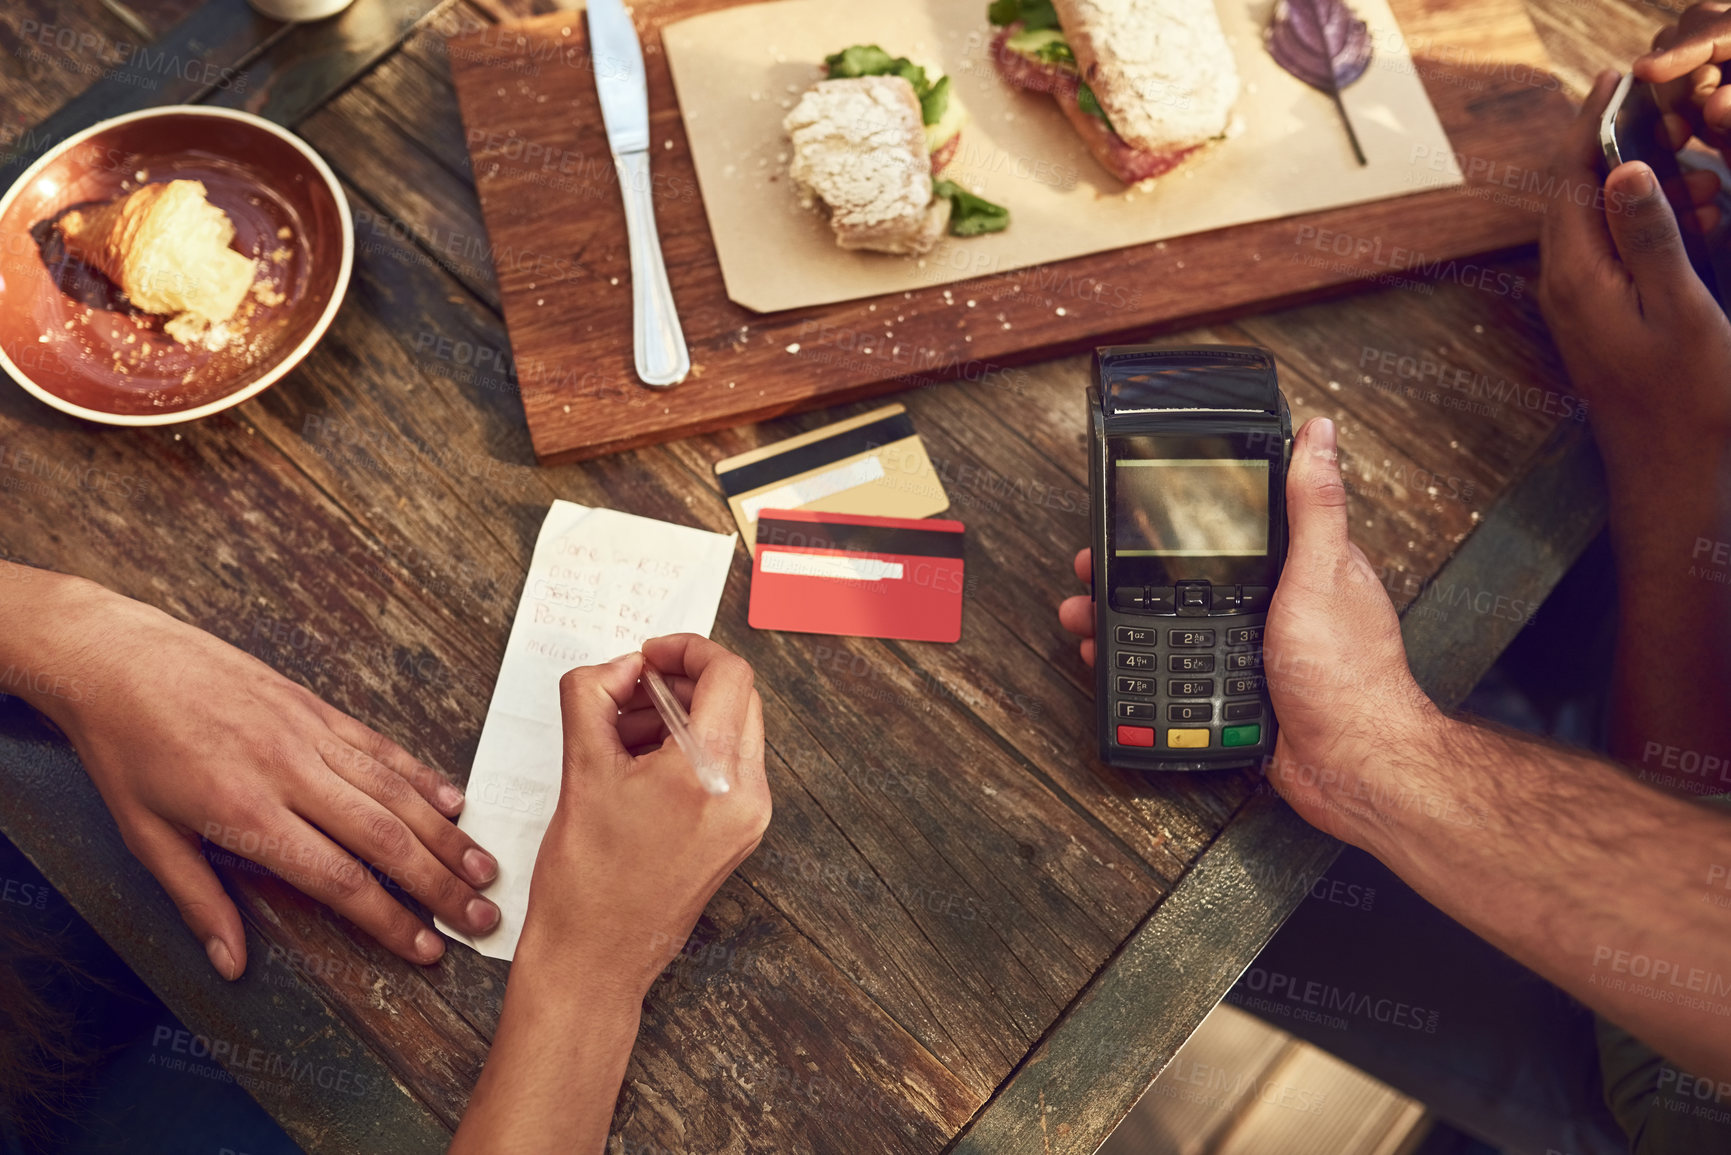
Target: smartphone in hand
<point>1633,129</point>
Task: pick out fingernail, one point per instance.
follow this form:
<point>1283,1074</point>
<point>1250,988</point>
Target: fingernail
<point>1639,181</point>
<point>480,866</point>
<point>217,951</point>
<point>1322,438</point>
<point>450,798</point>
<point>622,657</point>
<point>428,945</point>
<point>483,916</point>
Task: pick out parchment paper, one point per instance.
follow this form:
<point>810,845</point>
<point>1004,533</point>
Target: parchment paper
<point>600,583</point>
<point>740,70</point>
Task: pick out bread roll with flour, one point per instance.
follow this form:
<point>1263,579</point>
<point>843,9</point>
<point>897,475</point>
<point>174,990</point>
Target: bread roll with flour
<point>859,146</point>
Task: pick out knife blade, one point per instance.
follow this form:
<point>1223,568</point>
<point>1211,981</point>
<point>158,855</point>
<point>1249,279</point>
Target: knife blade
<point>616,58</point>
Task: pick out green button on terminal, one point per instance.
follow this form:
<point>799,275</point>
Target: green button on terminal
<point>1241,735</point>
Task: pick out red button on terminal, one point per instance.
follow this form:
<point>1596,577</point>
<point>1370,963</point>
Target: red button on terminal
<point>1135,736</point>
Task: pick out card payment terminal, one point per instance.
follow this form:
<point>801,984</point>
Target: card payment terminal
<point>1188,450</point>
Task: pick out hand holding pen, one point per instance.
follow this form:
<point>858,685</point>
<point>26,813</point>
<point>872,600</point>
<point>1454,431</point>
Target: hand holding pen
<point>645,831</point>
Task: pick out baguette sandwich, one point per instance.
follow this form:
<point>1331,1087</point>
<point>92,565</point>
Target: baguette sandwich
<point>1145,83</point>
<point>867,142</point>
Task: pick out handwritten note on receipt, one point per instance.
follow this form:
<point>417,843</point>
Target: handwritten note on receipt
<point>600,583</point>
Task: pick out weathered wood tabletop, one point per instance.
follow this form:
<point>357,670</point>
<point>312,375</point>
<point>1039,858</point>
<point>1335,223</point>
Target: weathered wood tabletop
<point>960,933</point>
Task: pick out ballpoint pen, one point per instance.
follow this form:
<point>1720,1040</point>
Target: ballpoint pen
<point>709,776</point>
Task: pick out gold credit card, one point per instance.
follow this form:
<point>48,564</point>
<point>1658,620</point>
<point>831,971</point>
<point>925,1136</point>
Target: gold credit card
<point>873,464</point>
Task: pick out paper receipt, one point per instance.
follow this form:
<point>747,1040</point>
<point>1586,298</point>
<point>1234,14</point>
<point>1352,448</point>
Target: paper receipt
<point>600,583</point>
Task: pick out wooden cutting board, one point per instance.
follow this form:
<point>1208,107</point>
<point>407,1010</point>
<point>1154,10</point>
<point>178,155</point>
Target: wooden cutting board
<point>556,228</point>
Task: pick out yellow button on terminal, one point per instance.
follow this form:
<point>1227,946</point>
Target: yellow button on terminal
<point>1186,739</point>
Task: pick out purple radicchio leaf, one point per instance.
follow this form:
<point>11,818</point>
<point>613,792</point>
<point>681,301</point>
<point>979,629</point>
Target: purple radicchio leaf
<point>1319,41</point>
<point>1323,44</point>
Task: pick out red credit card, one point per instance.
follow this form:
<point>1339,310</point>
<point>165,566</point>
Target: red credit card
<point>868,577</point>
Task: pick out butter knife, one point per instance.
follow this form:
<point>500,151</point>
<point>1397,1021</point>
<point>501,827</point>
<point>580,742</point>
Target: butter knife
<point>617,58</point>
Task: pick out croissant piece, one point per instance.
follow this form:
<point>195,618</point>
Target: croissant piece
<point>166,246</point>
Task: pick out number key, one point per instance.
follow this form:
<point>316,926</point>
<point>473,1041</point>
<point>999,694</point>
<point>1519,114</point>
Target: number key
<point>1136,636</point>
<point>1190,687</point>
<point>1244,660</point>
<point>1191,663</point>
<point>1244,636</point>
<point>1191,639</point>
<point>1130,660</point>
<point>1147,686</point>
<point>1190,712</point>
<point>1250,685</point>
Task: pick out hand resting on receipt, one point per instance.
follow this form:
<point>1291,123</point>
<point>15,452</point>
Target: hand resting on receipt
<point>634,851</point>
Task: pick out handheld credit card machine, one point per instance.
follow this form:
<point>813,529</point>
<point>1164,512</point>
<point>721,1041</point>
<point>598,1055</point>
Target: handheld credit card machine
<point>1187,452</point>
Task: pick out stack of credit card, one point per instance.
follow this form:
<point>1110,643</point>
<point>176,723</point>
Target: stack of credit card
<point>841,541</point>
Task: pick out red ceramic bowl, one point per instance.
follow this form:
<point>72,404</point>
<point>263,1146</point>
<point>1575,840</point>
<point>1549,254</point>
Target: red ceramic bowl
<point>68,336</point>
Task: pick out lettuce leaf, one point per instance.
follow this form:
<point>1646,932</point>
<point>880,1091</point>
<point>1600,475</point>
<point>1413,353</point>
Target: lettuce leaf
<point>1033,14</point>
<point>870,60</point>
<point>971,215</point>
<point>1090,104</point>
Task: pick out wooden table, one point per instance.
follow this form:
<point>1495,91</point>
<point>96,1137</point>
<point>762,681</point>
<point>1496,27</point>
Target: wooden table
<point>960,934</point>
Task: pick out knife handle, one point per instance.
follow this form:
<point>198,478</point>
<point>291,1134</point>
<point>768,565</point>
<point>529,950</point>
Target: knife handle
<point>662,358</point>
